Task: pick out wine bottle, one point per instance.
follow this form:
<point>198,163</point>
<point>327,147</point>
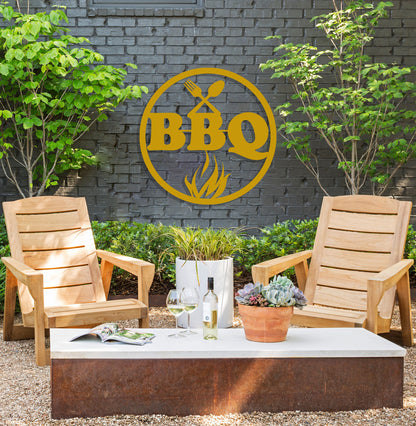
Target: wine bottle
<point>209,312</point>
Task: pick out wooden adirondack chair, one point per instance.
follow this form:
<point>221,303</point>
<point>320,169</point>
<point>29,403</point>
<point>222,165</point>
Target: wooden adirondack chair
<point>356,266</point>
<point>54,268</point>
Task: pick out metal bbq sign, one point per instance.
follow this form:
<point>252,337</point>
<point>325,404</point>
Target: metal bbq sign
<point>208,136</point>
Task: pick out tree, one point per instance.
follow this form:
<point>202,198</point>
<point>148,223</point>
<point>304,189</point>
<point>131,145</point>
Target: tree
<point>51,92</point>
<point>366,116</point>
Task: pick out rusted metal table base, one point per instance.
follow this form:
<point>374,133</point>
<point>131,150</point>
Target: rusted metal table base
<point>101,387</point>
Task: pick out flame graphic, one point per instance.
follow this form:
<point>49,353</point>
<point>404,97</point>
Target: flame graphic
<point>214,185</point>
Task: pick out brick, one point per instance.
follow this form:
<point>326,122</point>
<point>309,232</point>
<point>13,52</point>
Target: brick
<point>230,4</point>
<point>85,32</point>
<point>199,50</point>
<point>266,4</point>
<point>76,13</point>
<point>168,31</point>
<point>239,41</point>
<point>299,4</point>
<point>179,41</point>
<point>110,32</point>
<point>239,22</point>
<point>225,50</point>
<point>214,4</point>
<point>121,41</point>
<point>139,31</point>
<point>67,3</point>
<point>151,22</point>
<point>121,22</point>
<point>210,60</point>
<point>181,22</point>
<point>214,23</point>
<point>140,50</point>
<point>239,60</point>
<point>202,32</point>
<point>229,32</point>
<point>97,41</point>
<point>179,60</point>
<point>258,13</point>
<point>222,13</point>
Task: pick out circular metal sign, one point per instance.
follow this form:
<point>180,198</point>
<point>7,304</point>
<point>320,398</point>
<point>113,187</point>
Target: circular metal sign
<point>208,136</point>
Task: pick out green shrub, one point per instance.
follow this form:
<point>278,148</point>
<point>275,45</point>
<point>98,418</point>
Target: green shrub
<point>4,251</point>
<point>410,247</point>
<point>139,240</point>
<point>149,242</point>
<point>276,240</point>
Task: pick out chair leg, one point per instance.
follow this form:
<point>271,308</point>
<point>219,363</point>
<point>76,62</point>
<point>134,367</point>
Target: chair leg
<point>374,294</point>
<point>42,354</point>
<point>403,295</point>
<point>9,305</point>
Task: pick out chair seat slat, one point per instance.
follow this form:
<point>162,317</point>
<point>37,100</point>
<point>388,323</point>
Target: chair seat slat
<point>340,298</point>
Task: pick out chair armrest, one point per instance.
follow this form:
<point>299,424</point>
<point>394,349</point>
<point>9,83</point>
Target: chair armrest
<point>389,277</point>
<point>25,274</point>
<point>129,264</point>
<point>144,271</point>
<point>379,284</point>
<point>264,270</point>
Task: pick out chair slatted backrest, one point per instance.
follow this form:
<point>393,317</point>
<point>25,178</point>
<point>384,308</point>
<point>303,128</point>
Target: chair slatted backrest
<point>53,235</point>
<point>357,236</point>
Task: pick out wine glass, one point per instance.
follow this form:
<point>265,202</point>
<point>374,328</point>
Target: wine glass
<point>189,298</point>
<point>175,307</point>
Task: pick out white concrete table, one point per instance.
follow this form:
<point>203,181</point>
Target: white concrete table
<point>314,369</point>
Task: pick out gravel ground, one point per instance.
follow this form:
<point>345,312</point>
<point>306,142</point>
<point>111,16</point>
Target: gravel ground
<point>25,395</point>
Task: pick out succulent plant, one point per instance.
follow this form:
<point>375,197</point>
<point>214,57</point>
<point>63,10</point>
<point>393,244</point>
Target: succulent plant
<point>249,291</point>
<point>282,292</point>
<point>279,292</point>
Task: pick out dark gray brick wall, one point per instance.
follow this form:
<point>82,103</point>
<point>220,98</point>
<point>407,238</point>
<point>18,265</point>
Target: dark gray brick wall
<point>227,34</point>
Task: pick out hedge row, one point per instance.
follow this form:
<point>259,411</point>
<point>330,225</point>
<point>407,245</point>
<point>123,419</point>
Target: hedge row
<point>151,242</point>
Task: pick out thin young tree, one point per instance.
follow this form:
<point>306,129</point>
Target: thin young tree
<point>52,90</point>
<point>362,110</point>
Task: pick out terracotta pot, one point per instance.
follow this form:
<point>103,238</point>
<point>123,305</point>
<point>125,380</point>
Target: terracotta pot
<point>265,324</point>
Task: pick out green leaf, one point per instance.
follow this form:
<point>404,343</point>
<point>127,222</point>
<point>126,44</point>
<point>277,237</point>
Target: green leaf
<point>34,28</point>
<point>27,123</point>
<point>6,114</point>
<point>77,84</point>
<point>8,13</point>
<point>4,69</point>
<point>19,54</point>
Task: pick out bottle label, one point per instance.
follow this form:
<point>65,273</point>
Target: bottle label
<point>206,312</point>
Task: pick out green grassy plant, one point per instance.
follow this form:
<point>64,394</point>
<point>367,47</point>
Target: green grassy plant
<point>204,244</point>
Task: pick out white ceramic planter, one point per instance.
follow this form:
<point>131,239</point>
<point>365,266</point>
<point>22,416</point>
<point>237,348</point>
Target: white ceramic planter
<point>222,271</point>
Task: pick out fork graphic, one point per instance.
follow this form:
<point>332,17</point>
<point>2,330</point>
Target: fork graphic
<point>196,92</point>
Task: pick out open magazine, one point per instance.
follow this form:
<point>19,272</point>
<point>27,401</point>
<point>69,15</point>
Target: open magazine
<point>111,331</point>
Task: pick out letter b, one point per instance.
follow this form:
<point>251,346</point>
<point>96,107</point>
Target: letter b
<point>159,131</point>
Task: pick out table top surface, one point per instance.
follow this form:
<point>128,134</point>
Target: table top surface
<point>231,343</point>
